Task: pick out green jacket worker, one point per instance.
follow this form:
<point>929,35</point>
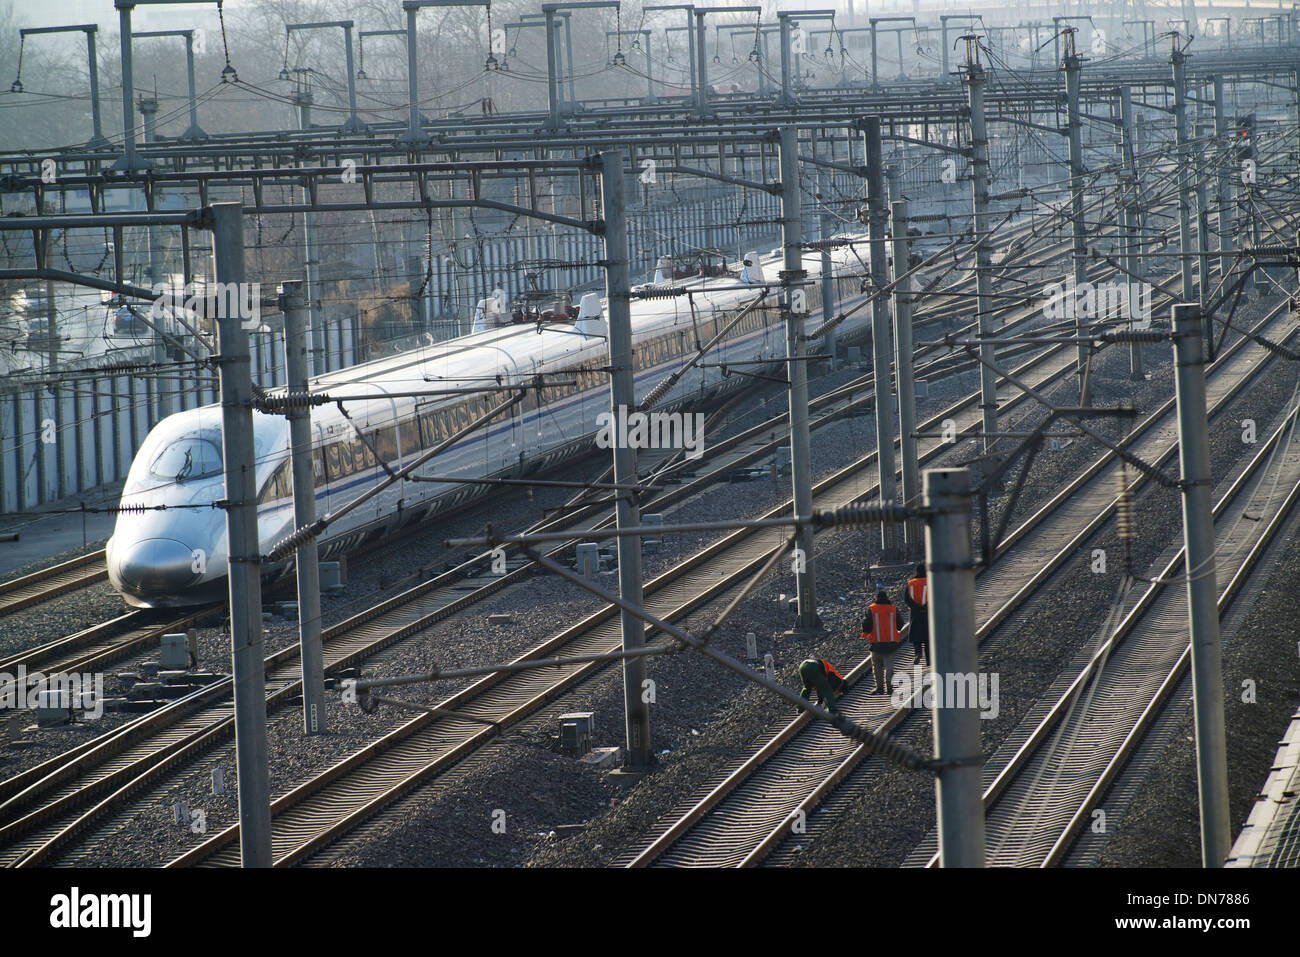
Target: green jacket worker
<point>818,674</point>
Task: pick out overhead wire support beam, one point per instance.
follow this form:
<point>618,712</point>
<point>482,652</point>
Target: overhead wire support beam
<point>875,74</point>
<point>195,133</point>
<point>129,162</point>
<point>553,85</point>
<point>786,20</point>
<point>415,136</point>
<point>702,69</point>
<point>353,123</point>
<point>690,37</point>
<point>97,139</point>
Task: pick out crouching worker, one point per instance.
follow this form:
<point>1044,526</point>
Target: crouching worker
<point>818,674</point>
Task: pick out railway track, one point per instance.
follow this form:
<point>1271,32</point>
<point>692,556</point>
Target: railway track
<point>101,766</point>
<point>749,811</point>
<point>1056,769</point>
<point>329,804</point>
<point>372,635</point>
<point>119,749</point>
<point>40,586</point>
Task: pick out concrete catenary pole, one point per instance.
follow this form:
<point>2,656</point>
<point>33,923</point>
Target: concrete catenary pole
<point>623,400</point>
<point>912,537</point>
<point>958,788</point>
<point>1226,197</point>
<point>1073,66</point>
<point>701,66</point>
<point>149,114</point>
<point>881,335</point>
<point>1129,200</point>
<point>318,359</point>
<point>795,349</point>
<point>1203,228</point>
<point>293,304</point>
<point>553,83</point>
<point>1181,139</point>
<point>827,228</point>
<point>975,79</point>
<point>1202,587</point>
<point>243,548</point>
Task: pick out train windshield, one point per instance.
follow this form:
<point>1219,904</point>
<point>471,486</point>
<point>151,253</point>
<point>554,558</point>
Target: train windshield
<point>188,458</point>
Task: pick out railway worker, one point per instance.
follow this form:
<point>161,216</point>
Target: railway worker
<point>916,596</point>
<point>880,630</point>
<point>818,674</point>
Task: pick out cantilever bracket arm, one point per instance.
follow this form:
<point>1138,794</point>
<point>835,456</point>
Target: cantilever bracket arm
<point>1033,126</point>
<point>860,171</point>
<point>773,188</point>
<point>941,147</point>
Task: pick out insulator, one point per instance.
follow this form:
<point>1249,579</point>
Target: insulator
<point>137,509</point>
<point>295,541</point>
<point>1285,255</point>
<point>1276,348</point>
<point>1136,335</point>
<point>659,292</point>
<point>1124,509</point>
<point>290,401</point>
<point>883,745</point>
<point>658,392</point>
<point>861,514</point>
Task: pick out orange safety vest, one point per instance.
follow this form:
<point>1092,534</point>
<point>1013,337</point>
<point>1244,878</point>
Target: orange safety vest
<point>918,589</point>
<point>830,670</point>
<point>882,621</point>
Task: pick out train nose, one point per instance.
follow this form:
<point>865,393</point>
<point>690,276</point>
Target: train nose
<point>157,566</point>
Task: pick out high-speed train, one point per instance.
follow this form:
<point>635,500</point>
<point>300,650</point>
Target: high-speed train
<point>177,556</point>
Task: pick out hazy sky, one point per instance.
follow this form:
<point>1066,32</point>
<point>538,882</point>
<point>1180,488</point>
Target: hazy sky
<point>51,13</point>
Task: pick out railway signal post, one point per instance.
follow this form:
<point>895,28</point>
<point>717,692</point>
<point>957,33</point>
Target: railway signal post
<point>636,690</point>
<point>294,305</point>
<point>958,787</point>
<point>792,294</point>
<point>243,551</point>
<point>1202,586</point>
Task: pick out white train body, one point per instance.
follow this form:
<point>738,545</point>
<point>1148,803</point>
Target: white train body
<point>177,556</point>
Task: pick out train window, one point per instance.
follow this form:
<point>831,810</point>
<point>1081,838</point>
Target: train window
<point>279,485</point>
<point>347,463</point>
<point>429,429</point>
<point>318,464</point>
<point>385,442</point>
<point>333,462</point>
<point>362,457</point>
<point>186,459</point>
<point>409,432</point>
